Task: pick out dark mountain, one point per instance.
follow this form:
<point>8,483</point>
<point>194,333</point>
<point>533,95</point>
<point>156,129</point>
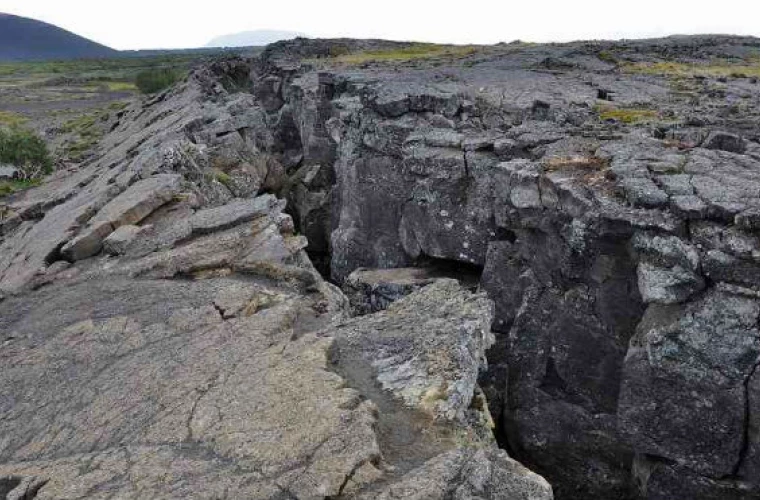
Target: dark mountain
<point>23,39</point>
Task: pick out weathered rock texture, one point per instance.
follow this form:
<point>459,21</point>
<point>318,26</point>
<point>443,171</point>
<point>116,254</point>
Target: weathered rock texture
<point>620,247</point>
<point>163,333</point>
<point>609,203</point>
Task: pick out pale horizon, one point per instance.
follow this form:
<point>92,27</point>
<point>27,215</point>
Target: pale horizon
<point>141,24</point>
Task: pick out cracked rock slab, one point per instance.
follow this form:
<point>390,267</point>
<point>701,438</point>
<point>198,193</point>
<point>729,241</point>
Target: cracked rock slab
<point>152,366</point>
<point>129,208</point>
<point>426,349</point>
<point>233,213</point>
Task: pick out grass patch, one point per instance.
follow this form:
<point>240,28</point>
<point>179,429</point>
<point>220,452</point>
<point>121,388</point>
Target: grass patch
<point>25,150</point>
<point>121,86</point>
<point>117,69</point>
<point>109,86</point>
<point>9,119</point>
<point>223,178</point>
<point>14,186</point>
<point>118,105</point>
<point>77,149</point>
<point>607,56</point>
<point>714,69</point>
<point>80,124</point>
<point>86,132</point>
<point>629,116</point>
<point>156,79</point>
<point>588,169</point>
<point>409,53</point>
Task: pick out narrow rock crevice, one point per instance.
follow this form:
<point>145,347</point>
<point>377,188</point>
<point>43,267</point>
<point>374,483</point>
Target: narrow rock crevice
<point>8,484</point>
<point>737,470</point>
<point>220,310</point>
<point>467,274</point>
<point>21,488</point>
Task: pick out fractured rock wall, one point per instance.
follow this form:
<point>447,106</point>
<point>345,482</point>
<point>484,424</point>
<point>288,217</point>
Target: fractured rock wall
<point>622,258</point>
<point>164,334</point>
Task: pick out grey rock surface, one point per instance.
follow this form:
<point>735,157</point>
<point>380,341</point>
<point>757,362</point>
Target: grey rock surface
<point>466,473</point>
<point>164,333</point>
<point>118,242</point>
<point>425,349</point>
<point>608,205</point>
<point>129,208</point>
<point>583,228</point>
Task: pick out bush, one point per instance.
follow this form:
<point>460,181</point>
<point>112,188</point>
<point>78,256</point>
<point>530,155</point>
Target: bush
<point>156,79</point>
<point>25,150</point>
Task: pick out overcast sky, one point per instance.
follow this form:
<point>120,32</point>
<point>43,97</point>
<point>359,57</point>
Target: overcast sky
<point>132,24</point>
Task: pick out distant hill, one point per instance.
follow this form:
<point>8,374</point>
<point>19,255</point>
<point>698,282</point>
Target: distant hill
<point>23,39</point>
<point>256,38</point>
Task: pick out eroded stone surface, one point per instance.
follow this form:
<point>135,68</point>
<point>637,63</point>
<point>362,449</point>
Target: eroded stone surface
<point>622,255</point>
<point>187,347</point>
<point>439,330</point>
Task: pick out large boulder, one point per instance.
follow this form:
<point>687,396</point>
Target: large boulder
<point>684,394</point>
<point>426,349</point>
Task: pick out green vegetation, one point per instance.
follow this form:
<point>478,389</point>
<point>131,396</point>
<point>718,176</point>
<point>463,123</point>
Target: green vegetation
<point>222,177</point>
<point>715,69</point>
<point>10,187</point>
<point>86,131</point>
<point>120,69</point>
<point>629,116</point>
<point>156,79</point>
<point>79,124</point>
<point>66,80</point>
<point>607,57</point>
<point>9,119</point>
<point>117,105</point>
<point>121,86</point>
<point>109,86</point>
<point>411,52</point>
<point>26,150</point>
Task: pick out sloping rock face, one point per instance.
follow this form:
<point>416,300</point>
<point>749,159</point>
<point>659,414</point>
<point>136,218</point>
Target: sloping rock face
<point>163,333</point>
<point>610,207</point>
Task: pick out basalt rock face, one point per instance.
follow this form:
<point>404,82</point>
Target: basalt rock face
<point>163,333</point>
<point>610,207</point>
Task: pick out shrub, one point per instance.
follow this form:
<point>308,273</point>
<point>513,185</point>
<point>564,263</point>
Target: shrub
<point>26,150</point>
<point>154,80</point>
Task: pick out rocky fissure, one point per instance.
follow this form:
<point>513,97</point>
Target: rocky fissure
<point>583,234</point>
<point>518,264</point>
